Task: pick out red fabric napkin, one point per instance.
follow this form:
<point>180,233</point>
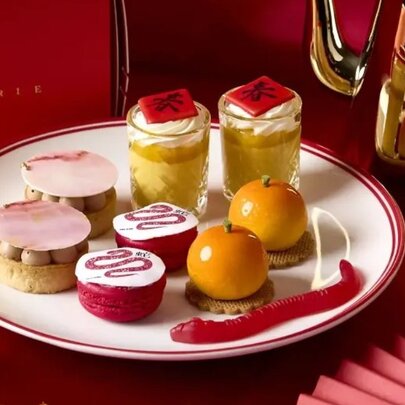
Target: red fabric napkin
<point>399,347</point>
<point>305,399</point>
<point>369,381</point>
<point>385,364</point>
<point>377,379</point>
<point>340,393</point>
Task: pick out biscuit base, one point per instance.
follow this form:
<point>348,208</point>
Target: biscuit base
<point>101,221</point>
<point>46,279</point>
<point>263,296</point>
<point>294,255</point>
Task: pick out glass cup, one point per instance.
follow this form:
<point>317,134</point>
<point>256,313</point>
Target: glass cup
<point>264,145</point>
<point>390,127</point>
<point>171,167</point>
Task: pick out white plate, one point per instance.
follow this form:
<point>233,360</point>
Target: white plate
<point>361,204</point>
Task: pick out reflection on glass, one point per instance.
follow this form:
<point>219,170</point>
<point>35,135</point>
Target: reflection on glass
<point>333,62</point>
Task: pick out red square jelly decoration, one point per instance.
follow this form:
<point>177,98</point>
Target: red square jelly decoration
<point>259,96</point>
<point>168,106</point>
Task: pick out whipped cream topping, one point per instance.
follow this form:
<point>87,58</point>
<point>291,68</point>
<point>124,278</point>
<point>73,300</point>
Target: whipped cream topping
<point>170,127</point>
<point>171,131</point>
<point>279,118</point>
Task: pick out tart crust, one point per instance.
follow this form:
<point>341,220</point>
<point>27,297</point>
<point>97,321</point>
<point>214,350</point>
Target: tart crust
<point>46,279</point>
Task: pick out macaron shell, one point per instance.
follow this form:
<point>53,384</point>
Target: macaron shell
<point>175,261</point>
<point>121,304</point>
<point>42,225</point>
<point>172,249</point>
<point>70,173</point>
<point>164,244</point>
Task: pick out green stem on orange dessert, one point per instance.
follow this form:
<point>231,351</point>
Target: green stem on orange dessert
<point>266,180</point>
<point>227,225</point>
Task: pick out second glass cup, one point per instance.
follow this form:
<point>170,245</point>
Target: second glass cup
<point>169,161</point>
<point>265,145</point>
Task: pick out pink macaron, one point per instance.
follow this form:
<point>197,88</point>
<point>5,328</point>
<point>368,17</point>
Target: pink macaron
<point>120,285</point>
<point>161,228</point>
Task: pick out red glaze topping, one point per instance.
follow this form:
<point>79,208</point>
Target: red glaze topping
<point>168,106</point>
<point>259,96</point>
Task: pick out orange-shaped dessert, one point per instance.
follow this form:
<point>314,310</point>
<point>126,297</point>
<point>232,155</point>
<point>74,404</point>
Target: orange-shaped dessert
<point>227,262</point>
<point>274,210</point>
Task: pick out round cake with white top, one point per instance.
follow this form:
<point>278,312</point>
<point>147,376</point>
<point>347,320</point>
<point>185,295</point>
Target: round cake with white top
<point>79,179</point>
<point>161,228</point>
<point>40,243</point>
<point>120,285</point>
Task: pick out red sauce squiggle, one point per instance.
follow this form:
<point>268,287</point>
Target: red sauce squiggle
<point>206,331</point>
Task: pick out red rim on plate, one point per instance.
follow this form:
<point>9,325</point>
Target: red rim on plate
<point>390,207</point>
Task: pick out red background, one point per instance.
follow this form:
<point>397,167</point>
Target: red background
<point>63,46</point>
<point>210,46</point>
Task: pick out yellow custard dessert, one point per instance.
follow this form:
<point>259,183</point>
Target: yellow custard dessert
<point>254,146</point>
<point>169,161</point>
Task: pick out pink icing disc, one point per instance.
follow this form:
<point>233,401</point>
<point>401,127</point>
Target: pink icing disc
<point>42,225</point>
<point>69,173</point>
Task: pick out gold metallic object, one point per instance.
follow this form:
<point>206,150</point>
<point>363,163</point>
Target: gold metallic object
<point>394,109</point>
<point>335,65</point>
